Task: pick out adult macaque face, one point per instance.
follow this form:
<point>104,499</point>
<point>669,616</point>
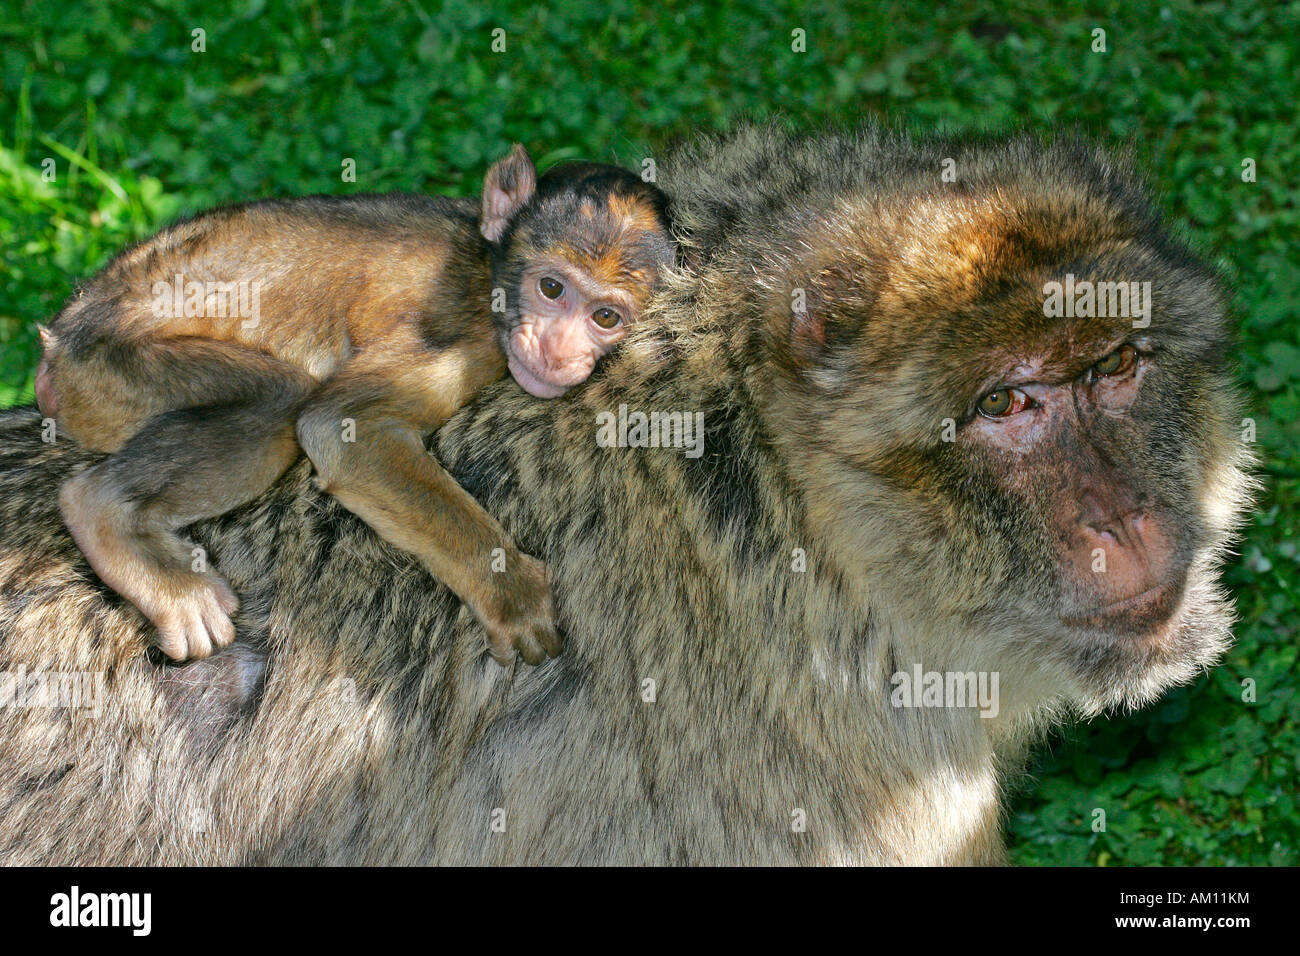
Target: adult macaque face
<point>1057,482</point>
<point>1122,557</point>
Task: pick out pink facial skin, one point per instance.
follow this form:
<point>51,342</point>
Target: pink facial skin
<point>1036,434</point>
<point>567,321</point>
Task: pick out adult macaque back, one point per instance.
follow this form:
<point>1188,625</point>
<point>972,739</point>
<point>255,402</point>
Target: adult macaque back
<point>914,467</point>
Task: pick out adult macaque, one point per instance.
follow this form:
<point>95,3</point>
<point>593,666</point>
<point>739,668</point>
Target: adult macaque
<point>206,357</point>
<point>910,458</point>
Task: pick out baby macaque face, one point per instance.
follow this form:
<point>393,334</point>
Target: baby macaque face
<point>578,254</point>
<point>568,319</point>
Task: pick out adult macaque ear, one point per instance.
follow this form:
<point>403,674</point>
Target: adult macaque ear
<point>826,312</point>
<point>508,185</point>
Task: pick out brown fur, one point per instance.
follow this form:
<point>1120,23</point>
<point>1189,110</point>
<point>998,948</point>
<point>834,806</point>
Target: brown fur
<point>373,316</point>
<point>373,328</point>
<point>360,721</point>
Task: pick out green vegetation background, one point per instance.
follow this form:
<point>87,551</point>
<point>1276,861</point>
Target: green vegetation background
<point>140,128</point>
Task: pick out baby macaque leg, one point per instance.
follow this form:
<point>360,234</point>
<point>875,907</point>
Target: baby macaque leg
<point>180,467</point>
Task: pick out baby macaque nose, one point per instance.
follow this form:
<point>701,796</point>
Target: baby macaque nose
<point>564,345</point>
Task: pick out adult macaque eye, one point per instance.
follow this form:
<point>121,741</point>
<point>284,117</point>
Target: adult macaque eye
<point>606,318</point>
<point>1003,402</point>
<point>1120,360</point>
<point>551,288</point>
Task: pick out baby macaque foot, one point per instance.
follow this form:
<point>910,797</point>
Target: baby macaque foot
<point>195,621</point>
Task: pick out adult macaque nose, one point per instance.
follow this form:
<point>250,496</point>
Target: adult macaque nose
<point>1126,553</point>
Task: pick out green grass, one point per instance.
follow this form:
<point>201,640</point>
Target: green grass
<point>140,128</point>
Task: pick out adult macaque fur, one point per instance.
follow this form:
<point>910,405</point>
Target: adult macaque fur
<point>374,326</point>
<point>720,700</point>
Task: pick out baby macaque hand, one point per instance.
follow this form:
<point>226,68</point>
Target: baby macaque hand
<point>522,616</point>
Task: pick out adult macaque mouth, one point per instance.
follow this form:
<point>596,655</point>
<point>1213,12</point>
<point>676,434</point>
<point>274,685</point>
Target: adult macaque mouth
<point>1136,615</point>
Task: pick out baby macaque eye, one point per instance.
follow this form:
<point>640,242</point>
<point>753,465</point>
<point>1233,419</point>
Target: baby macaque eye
<point>606,318</point>
<point>1120,360</point>
<point>551,288</point>
<point>1003,402</point>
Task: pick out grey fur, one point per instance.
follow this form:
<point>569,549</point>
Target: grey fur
<point>359,719</point>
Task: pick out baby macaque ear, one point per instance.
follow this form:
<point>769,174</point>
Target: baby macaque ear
<point>508,185</point>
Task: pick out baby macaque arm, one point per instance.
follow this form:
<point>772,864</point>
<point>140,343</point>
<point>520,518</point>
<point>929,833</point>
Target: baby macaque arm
<point>364,434</point>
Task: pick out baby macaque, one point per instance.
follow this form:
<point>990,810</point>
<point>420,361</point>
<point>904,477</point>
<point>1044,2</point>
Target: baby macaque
<point>208,358</point>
